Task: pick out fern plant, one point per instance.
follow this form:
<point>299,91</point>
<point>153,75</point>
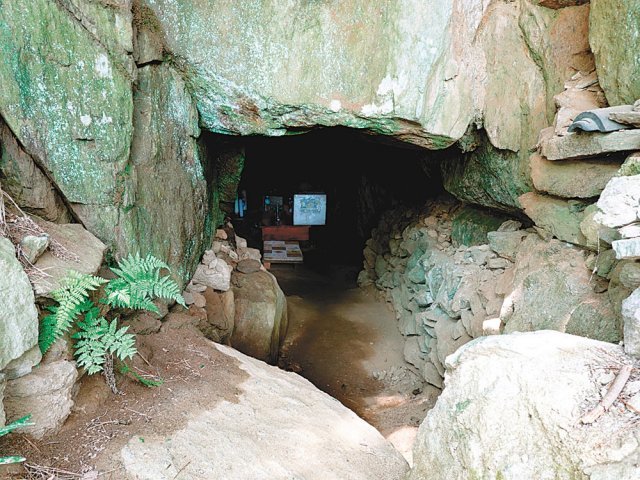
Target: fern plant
<point>98,338</point>
<point>22,422</point>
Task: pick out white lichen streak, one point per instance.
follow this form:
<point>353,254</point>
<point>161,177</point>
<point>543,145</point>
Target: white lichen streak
<point>85,120</point>
<point>389,88</point>
<point>103,69</point>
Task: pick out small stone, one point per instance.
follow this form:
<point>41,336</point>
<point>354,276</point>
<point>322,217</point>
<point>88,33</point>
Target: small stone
<point>221,234</point>
<point>631,318</point>
<point>627,249</point>
<point>199,288</point>
<point>510,226</point>
<point>241,242</point>
<point>506,244</point>
<point>199,300</point>
<point>630,231</point>
<point>188,297</point>
<point>248,266</point>
<point>631,166</point>
<point>245,253</point>
<point>496,263</point>
<point>218,278</point>
<point>209,257</point>
<point>630,275</point>
<point>606,378</point>
<point>431,221</point>
<point>618,203</point>
<point>431,375</point>
<point>491,326</point>
<point>634,403</point>
<point>34,246</point>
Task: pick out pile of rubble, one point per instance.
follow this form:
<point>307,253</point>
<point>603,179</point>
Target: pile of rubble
<point>233,299</point>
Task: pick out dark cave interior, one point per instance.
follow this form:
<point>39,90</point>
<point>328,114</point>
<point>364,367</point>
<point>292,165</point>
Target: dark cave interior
<point>361,175</point>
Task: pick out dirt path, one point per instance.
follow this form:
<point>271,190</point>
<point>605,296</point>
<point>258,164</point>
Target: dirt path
<point>347,343</point>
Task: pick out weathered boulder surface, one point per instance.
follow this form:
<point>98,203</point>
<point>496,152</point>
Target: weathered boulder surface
<point>551,289</point>
<point>577,145</point>
<point>67,97</point>
<point>165,200</point>
<point>558,216</point>
<point>260,315</point>
<point>25,181</point>
<point>614,35</point>
<point>47,393</point>
<point>511,408</point>
<point>221,312</point>
<point>18,314</point>
<point>306,68</point>
<point>279,426</point>
<point>84,253</point>
<point>572,179</point>
<point>619,204</point>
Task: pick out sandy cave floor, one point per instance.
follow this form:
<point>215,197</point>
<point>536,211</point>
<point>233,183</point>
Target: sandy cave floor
<point>342,339</point>
<point>347,343</point>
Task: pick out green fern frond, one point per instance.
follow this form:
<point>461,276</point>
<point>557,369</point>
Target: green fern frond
<point>147,382</point>
<point>73,300</point>
<point>139,282</point>
<point>22,422</point>
<point>97,337</point>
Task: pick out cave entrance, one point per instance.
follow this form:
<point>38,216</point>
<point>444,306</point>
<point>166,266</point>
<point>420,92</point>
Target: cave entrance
<point>341,338</point>
<point>361,176</point>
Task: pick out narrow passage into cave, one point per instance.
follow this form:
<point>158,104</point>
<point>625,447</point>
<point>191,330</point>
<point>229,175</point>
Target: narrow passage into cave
<point>343,339</point>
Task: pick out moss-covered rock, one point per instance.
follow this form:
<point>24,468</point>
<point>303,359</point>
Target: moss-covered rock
<point>614,35</point>
<point>68,100</point>
<point>470,225</point>
<point>164,190</point>
<point>488,176</point>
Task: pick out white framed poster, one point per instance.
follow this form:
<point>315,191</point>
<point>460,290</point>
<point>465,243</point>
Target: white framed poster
<point>309,209</point>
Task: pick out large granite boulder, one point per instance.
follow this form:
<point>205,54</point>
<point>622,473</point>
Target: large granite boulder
<point>260,315</point>
<point>165,208</point>
<point>299,65</point>
<point>511,410</point>
<point>67,97</point>
<point>278,425</point>
<point>18,313</point>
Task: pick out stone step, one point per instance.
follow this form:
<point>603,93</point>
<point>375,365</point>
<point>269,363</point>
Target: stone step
<point>577,145</point>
